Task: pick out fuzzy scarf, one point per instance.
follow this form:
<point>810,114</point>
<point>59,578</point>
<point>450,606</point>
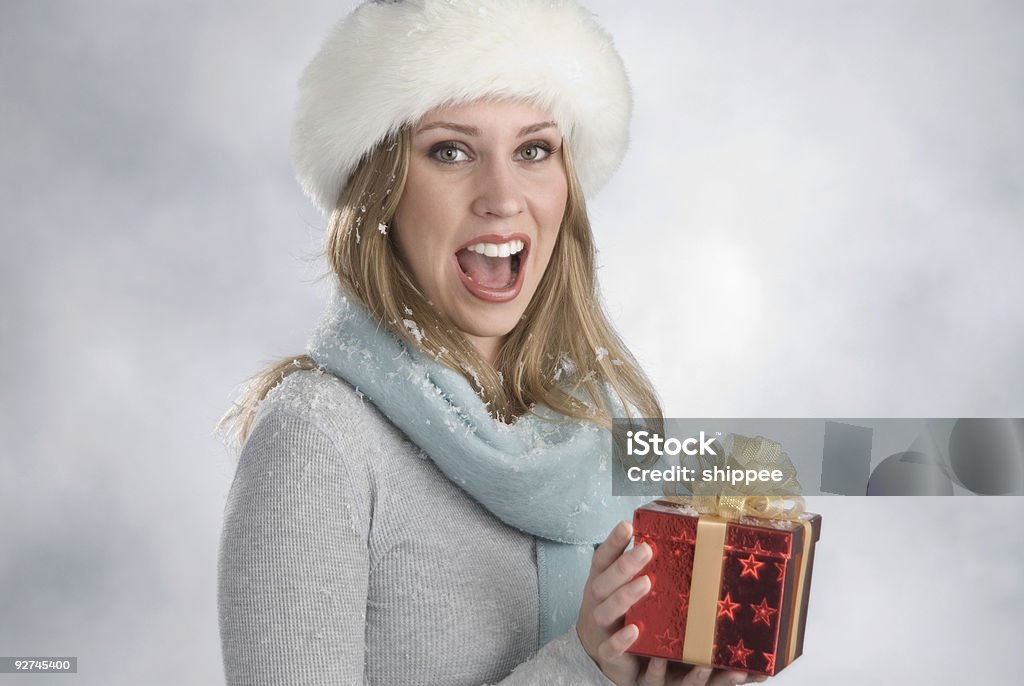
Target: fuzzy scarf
<point>545,475</point>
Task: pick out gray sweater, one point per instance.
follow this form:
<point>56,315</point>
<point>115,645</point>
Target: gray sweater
<point>347,557</point>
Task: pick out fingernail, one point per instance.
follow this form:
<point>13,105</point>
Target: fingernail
<point>623,529</point>
<point>643,552</point>
<point>738,678</point>
<point>643,584</point>
<point>703,673</point>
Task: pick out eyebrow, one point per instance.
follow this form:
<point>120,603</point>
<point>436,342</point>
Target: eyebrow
<point>474,131</point>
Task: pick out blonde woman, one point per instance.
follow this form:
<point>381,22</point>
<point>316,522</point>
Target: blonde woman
<point>418,497</point>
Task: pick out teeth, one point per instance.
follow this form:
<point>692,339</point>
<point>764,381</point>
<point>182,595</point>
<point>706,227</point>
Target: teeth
<point>498,249</point>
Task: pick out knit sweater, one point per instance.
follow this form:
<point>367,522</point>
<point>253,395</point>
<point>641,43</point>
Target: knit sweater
<point>347,557</point>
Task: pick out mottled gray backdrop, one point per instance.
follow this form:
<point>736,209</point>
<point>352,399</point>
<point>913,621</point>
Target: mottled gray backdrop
<point>821,214</point>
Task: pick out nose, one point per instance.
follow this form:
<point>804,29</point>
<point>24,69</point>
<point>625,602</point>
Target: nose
<point>498,191</point>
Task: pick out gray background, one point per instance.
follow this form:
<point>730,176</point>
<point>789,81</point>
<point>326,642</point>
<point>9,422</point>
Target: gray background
<point>820,214</point>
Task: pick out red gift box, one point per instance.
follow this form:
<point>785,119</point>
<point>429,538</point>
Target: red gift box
<point>725,594</point>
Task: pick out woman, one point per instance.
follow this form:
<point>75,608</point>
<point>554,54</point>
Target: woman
<point>451,142</point>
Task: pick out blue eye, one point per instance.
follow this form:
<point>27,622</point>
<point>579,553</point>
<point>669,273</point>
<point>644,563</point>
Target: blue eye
<point>449,153</point>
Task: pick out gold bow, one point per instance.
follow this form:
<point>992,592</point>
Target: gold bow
<point>766,500</point>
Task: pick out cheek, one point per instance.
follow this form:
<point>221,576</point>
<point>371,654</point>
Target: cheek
<point>407,248</point>
<point>420,249</point>
<point>421,213</point>
<point>401,229</point>
<point>552,211</point>
<point>555,200</point>
<point>411,219</point>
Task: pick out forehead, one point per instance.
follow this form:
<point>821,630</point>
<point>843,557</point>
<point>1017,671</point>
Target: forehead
<point>489,116</point>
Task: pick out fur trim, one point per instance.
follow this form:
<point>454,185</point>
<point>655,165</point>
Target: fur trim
<point>389,63</point>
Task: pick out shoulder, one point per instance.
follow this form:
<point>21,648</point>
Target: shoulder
<point>312,441</point>
<point>324,403</point>
<point>315,418</point>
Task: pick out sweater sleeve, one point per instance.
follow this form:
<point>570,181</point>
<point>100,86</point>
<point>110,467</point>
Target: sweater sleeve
<point>562,662</point>
<point>294,569</point>
<point>293,565</point>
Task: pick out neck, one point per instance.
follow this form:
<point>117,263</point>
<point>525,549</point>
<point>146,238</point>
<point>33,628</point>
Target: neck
<point>488,347</point>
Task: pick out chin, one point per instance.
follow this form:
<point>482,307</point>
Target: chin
<point>493,326</point>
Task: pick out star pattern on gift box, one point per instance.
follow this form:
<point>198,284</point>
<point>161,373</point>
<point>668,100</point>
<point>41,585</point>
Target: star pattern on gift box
<point>781,566</point>
<point>763,612</point>
<point>727,607</point>
<point>758,550</point>
<point>740,653</point>
<point>769,659</point>
<point>667,641</point>
<point>751,567</point>
<point>679,544</point>
<point>684,603</point>
<point>681,538</point>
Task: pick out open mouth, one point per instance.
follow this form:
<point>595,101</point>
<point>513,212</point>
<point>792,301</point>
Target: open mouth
<point>492,267</point>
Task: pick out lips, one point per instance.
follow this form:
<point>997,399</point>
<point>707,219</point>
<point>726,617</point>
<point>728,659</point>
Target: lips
<point>492,267</point>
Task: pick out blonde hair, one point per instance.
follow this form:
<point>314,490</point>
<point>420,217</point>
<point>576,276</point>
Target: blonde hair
<point>563,353</point>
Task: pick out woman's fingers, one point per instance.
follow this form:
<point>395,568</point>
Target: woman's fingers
<point>655,673</point>
<point>705,676</point>
<point>617,643</point>
<point>698,676</point>
<point>731,678</point>
<point>621,571</point>
<point>611,548</point>
<point>614,606</point>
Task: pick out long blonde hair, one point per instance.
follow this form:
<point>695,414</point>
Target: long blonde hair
<point>563,353</point>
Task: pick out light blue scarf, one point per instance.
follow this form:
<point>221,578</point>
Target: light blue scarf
<point>551,479</point>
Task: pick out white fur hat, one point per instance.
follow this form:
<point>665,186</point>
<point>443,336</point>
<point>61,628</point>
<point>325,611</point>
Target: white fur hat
<point>389,63</point>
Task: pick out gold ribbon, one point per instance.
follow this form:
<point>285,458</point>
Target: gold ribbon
<point>765,500</point>
<point>705,586</point>
<point>796,632</point>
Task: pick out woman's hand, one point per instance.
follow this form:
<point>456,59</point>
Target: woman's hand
<point>609,592</point>
<point>606,597</point>
<point>659,673</point>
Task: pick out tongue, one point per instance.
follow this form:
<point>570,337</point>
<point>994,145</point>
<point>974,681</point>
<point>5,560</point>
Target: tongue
<point>492,272</point>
